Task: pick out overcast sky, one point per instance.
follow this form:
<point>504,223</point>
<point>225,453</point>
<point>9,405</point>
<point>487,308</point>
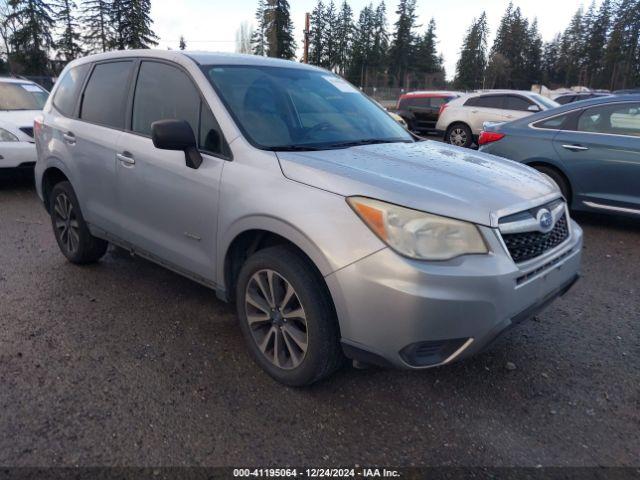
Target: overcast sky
<point>212,24</point>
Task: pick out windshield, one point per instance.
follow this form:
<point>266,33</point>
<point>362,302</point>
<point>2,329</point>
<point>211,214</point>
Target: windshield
<point>22,96</point>
<point>547,102</point>
<point>298,109</point>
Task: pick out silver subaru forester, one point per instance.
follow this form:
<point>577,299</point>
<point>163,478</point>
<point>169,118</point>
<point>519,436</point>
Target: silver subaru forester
<point>287,191</point>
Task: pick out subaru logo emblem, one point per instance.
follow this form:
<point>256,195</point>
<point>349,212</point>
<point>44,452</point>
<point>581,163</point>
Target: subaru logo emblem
<point>545,220</point>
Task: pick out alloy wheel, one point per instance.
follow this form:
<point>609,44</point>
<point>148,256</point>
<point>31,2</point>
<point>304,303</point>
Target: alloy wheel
<point>277,320</point>
<point>458,137</point>
<point>66,223</point>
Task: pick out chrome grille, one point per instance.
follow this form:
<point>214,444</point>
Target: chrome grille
<point>524,236</point>
<point>27,130</point>
<point>528,245</point>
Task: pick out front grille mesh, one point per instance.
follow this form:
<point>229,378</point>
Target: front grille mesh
<point>527,245</point>
<point>27,130</point>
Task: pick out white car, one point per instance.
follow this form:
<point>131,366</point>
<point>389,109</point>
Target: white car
<point>462,119</point>
<point>20,102</point>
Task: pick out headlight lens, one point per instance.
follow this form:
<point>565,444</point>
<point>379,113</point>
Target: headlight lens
<point>7,136</point>
<point>416,234</point>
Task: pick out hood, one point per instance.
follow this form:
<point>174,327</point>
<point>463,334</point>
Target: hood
<point>429,176</point>
<point>19,118</point>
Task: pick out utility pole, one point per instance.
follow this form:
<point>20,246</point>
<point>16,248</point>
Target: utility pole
<point>307,32</point>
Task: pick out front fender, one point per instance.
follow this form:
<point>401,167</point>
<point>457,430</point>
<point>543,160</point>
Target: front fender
<point>275,226</point>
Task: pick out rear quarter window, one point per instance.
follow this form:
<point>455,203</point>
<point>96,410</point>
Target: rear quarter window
<point>66,96</point>
<point>554,123</point>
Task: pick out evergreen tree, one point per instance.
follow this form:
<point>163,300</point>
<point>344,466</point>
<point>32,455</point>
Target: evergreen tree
<point>182,45</point>
<point>428,64</point>
<point>427,59</point>
<point>279,30</point>
<point>473,56</point>
<point>380,45</point>
<point>571,60</point>
<point>317,46</point>
<point>597,37</point>
<point>96,19</point>
<point>258,39</point>
<point>507,66</point>
<point>69,42</point>
<point>550,61</point>
<point>344,34</point>
<point>622,55</point>
<point>134,23</point>
<point>32,39</point>
<point>331,40</point>
<point>362,49</point>
<point>533,54</point>
<point>403,45</point>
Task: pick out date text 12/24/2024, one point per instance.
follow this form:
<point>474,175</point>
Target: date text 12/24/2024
<point>316,472</point>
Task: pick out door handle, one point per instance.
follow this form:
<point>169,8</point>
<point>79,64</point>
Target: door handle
<point>125,158</point>
<point>69,138</point>
<point>575,148</point>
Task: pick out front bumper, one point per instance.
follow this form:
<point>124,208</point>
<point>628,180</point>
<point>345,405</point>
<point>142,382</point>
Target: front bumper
<point>388,304</point>
<point>17,154</point>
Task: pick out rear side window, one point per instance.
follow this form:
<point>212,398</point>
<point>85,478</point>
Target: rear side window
<point>69,88</point>
<point>438,101</point>
<point>105,96</point>
<point>490,101</point>
<point>614,119</point>
<point>565,99</point>
<point>420,102</point>
<point>516,103</point>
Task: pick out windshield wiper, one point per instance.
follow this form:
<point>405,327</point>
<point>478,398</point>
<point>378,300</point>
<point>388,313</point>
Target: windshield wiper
<point>293,148</point>
<point>370,141</point>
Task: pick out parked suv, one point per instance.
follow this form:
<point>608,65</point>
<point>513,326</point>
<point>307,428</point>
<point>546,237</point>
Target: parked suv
<point>463,119</point>
<point>284,189</point>
<point>421,109</point>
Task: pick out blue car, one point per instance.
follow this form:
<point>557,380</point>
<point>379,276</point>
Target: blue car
<point>590,148</point>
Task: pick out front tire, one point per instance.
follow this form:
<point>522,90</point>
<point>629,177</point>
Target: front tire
<point>71,231</point>
<point>287,317</point>
<point>459,135</point>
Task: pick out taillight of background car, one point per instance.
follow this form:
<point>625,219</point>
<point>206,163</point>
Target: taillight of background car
<point>489,137</point>
<point>442,107</point>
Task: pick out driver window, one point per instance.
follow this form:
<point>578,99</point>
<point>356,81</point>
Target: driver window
<point>163,92</point>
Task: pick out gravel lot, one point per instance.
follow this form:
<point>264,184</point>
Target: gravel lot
<point>124,363</point>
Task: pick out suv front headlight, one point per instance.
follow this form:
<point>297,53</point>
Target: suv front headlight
<point>416,234</point>
<point>7,136</point>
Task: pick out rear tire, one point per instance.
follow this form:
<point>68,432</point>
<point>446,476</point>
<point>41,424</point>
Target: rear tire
<point>557,177</point>
<point>287,317</point>
<point>459,135</point>
<point>71,231</point>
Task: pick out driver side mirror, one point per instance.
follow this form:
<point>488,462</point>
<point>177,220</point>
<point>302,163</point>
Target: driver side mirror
<point>177,135</point>
<point>533,108</point>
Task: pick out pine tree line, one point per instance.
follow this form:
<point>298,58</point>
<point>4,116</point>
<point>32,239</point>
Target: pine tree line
<point>367,54</point>
<point>273,36</point>
<point>33,30</point>
<point>600,48</point>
